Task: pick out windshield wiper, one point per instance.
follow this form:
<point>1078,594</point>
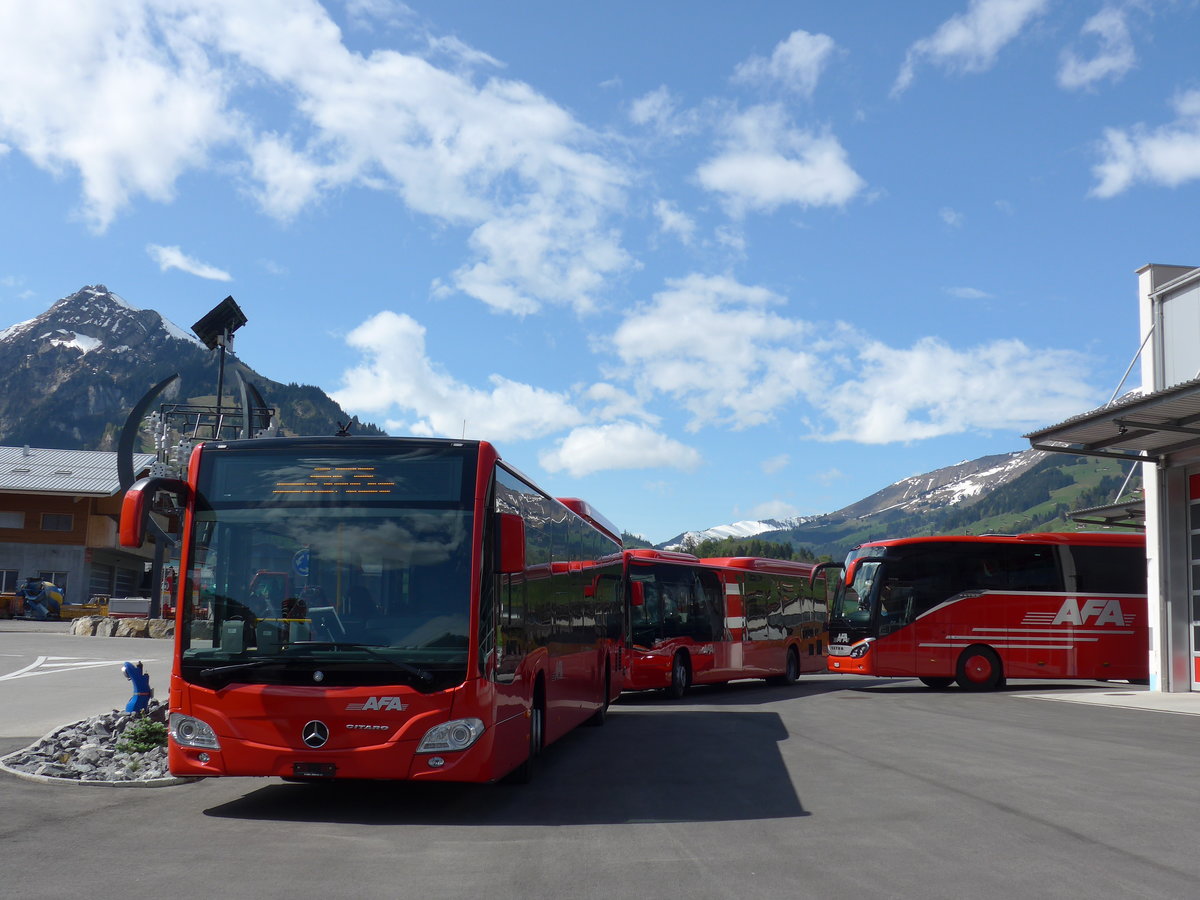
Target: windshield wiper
<point>422,674</point>
<point>236,667</point>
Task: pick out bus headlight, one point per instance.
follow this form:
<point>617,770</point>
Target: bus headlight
<point>458,734</point>
<point>860,650</point>
<point>190,732</point>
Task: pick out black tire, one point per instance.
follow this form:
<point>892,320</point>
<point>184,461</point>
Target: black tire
<point>523,774</point>
<point>937,683</point>
<point>791,670</point>
<point>681,676</point>
<point>979,669</point>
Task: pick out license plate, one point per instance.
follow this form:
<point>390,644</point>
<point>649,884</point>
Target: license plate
<point>313,770</point>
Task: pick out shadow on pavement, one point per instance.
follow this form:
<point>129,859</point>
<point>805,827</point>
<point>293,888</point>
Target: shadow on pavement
<point>752,692</point>
<point>690,766</point>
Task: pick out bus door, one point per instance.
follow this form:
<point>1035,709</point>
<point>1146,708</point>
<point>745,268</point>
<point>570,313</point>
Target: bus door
<point>893,609</point>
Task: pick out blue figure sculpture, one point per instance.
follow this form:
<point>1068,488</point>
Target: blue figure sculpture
<point>141,688</point>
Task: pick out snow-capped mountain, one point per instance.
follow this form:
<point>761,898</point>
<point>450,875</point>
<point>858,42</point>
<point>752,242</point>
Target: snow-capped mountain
<point>950,486</point>
<point>745,529</point>
<point>70,376</point>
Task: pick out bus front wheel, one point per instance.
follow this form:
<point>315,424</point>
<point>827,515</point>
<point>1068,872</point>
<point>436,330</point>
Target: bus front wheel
<point>979,669</point>
<point>523,774</point>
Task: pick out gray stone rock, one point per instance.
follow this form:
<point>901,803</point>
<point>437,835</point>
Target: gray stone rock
<point>87,751</point>
<point>85,625</point>
<point>161,628</point>
<point>106,627</point>
<point>131,628</point>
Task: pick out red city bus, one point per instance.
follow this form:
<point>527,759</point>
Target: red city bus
<point>386,608</point>
<point>708,621</point>
<point>977,610</point>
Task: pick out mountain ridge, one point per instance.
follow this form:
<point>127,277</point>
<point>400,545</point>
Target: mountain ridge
<point>72,374</point>
<point>1027,490</point>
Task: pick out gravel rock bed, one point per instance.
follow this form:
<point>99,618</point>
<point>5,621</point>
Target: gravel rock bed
<point>86,752</point>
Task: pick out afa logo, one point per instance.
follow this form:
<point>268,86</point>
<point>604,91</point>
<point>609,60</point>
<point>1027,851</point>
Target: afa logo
<point>1106,612</point>
<point>385,703</point>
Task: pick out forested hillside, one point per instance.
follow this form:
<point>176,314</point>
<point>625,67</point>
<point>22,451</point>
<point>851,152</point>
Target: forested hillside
<point>1038,500</point>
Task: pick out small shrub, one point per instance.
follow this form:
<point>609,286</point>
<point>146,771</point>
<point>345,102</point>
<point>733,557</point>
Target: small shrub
<point>142,736</point>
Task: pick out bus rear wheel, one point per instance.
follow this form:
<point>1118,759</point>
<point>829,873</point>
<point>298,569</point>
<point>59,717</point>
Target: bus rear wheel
<point>791,669</point>
<point>979,669</point>
<point>681,676</point>
<point>937,683</point>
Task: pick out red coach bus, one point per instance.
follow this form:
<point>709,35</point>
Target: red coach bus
<point>707,621</point>
<point>361,607</point>
<point>977,610</point>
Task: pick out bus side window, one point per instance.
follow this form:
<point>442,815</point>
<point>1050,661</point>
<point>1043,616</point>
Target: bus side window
<point>895,605</point>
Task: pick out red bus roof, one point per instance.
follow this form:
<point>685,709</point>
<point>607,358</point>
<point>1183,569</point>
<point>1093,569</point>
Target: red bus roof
<point>1094,538</point>
<point>591,515</point>
<point>763,564</point>
<point>650,555</point>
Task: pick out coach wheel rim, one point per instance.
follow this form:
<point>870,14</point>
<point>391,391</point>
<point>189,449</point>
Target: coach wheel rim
<point>979,669</point>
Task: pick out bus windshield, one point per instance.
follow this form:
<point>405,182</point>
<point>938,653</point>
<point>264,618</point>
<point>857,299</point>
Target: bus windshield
<point>853,601</point>
<point>679,601</point>
<point>327,569</point>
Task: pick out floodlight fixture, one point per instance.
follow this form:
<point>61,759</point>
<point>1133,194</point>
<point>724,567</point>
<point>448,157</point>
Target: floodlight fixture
<point>216,330</point>
<point>219,323</point>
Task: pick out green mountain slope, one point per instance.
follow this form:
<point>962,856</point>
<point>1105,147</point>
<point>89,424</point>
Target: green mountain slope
<point>1037,500</point>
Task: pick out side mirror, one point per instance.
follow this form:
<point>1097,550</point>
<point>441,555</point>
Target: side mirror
<point>820,568</point>
<point>637,593</point>
<point>510,558</point>
<point>138,503</point>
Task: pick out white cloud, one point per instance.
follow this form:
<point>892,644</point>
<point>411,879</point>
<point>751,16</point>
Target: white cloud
<point>932,389</point>
<point>1114,55</point>
<point>611,402</point>
<point>713,345</point>
<point>765,163</point>
<point>968,293</point>
<point>720,351</point>
<point>971,41</point>
<point>776,464</point>
<point>132,95</point>
<point>174,258</point>
<point>617,445</point>
<point>656,107</point>
<point>796,63</point>
<point>1168,155</point>
<point>952,217</point>
<point>89,88</point>
<point>672,221</point>
<point>398,376</point>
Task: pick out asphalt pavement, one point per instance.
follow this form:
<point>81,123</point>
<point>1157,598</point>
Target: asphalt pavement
<point>838,786</point>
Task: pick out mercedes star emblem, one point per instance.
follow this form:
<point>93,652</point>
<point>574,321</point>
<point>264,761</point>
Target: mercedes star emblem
<point>315,734</point>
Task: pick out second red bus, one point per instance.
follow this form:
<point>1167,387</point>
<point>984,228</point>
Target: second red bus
<point>708,621</point>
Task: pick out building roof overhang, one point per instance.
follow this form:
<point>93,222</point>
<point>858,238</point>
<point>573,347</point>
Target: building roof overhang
<point>1140,427</point>
<point>1130,514</point>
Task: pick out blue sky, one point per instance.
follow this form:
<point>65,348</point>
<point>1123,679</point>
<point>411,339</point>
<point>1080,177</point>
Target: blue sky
<point>694,262</point>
